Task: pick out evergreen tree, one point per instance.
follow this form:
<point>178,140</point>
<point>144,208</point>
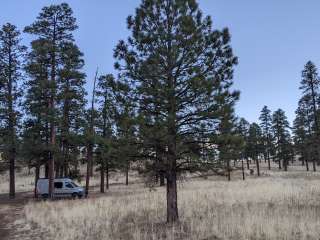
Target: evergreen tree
<point>310,84</point>
<point>280,126</point>
<point>11,59</point>
<point>302,130</point>
<point>242,129</point>
<point>178,68</point>
<point>36,101</point>
<point>70,107</point>
<point>54,24</point>
<point>106,98</point>
<point>254,144</point>
<point>228,141</point>
<point>266,127</point>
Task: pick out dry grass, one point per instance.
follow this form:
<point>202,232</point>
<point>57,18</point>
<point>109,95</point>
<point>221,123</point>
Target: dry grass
<point>24,181</point>
<point>276,206</point>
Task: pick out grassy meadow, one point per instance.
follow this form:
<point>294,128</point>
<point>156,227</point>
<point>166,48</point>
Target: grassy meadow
<point>278,205</point>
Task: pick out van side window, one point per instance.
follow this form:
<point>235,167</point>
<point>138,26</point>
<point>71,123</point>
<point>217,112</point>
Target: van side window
<point>69,185</point>
<point>58,185</point>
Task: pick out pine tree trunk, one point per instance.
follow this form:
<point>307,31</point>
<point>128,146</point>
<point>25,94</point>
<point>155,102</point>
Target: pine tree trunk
<point>36,177</point>
<point>285,165</point>
<point>162,179</point>
<point>89,162</point>
<point>46,170</point>
<point>172,198</point>
<point>127,174</point>
<point>11,129</point>
<point>91,168</point>
<point>242,168</point>
<point>269,164</point>
<point>102,171</point>
<point>52,108</point>
<point>12,175</point>
<point>258,167</point>
<point>90,144</point>
<point>107,174</point>
<point>228,170</point>
<point>314,164</point>
<point>279,162</point>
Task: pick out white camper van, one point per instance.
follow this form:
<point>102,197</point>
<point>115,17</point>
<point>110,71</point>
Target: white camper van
<point>63,187</point>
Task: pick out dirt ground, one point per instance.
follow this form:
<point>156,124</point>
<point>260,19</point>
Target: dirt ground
<point>11,224</point>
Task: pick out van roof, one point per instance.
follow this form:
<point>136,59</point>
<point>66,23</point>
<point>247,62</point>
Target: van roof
<point>68,179</point>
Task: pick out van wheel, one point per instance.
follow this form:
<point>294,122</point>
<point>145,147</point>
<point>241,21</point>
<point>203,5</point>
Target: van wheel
<point>74,195</point>
<point>45,196</point>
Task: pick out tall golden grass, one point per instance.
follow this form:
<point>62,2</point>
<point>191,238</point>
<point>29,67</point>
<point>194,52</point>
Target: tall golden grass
<point>276,206</point>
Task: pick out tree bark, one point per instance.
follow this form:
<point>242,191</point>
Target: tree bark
<point>36,177</point>
<point>11,129</point>
<point>242,168</point>
<point>268,157</point>
<point>162,179</point>
<point>102,171</point>
<point>285,165</point>
<point>89,162</point>
<point>46,170</point>
<point>258,167</point>
<point>52,108</point>
<point>90,143</point>
<point>107,175</point>
<point>228,170</point>
<point>127,173</point>
<point>172,198</point>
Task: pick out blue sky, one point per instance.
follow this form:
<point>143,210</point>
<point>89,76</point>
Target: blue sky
<point>273,40</point>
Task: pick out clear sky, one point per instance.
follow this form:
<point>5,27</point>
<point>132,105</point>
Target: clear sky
<point>273,40</point>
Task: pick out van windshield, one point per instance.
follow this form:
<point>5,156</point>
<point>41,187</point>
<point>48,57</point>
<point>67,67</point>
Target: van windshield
<point>74,185</point>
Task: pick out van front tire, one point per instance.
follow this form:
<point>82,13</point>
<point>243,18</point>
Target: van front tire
<point>74,195</point>
<point>45,196</point>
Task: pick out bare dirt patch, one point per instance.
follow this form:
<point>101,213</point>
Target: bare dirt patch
<point>12,225</point>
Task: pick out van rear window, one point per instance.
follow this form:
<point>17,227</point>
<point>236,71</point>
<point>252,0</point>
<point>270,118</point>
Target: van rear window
<point>58,185</point>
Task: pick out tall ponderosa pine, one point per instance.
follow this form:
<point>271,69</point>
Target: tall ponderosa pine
<point>254,144</point>
<point>106,90</point>
<point>126,128</point>
<point>55,25</point>
<point>36,100</point>
<point>280,126</point>
<point>266,127</point>
<point>303,130</point>
<point>242,129</point>
<point>310,84</point>
<point>179,68</point>
<point>70,105</point>
<point>11,57</point>
<point>300,135</point>
<point>229,142</point>
<point>90,135</point>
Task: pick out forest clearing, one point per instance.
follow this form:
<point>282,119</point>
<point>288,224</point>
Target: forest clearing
<point>159,119</point>
<point>278,205</point>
